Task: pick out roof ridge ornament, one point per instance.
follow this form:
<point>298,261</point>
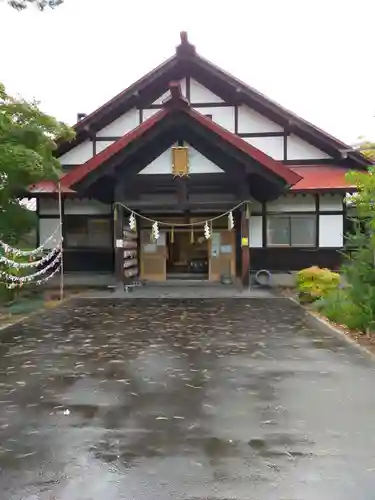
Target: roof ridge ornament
<point>185,48</point>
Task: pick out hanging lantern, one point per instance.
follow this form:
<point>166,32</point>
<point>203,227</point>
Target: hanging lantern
<point>132,222</point>
<point>230,221</point>
<point>207,232</point>
<point>155,231</point>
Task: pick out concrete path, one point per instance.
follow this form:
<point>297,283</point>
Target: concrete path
<point>194,291</point>
<point>183,399</point>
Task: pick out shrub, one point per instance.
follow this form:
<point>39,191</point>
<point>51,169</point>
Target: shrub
<point>315,283</point>
<point>338,307</point>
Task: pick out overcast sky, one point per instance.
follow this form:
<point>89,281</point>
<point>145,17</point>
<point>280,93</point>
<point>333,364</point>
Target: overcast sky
<point>314,57</point>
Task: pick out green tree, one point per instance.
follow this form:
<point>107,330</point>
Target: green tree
<point>27,143</point>
<point>367,148</point>
<point>40,4</point>
<point>359,266</point>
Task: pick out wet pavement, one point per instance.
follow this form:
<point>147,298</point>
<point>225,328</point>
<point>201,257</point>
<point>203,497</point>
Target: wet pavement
<point>183,399</point>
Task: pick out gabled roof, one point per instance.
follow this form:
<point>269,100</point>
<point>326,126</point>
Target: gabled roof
<point>186,58</point>
<point>178,104</point>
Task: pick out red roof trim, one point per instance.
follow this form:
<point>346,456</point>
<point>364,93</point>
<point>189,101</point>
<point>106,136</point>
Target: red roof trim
<point>275,166</point>
<point>78,173</point>
<point>48,187</point>
<point>313,178</point>
<point>176,100</point>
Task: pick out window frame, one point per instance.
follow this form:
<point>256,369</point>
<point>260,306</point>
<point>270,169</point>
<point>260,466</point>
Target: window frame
<point>87,218</point>
<point>289,216</point>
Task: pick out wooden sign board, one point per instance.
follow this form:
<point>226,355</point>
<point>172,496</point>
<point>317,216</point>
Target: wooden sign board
<point>180,161</point>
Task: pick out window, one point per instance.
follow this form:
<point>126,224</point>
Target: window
<point>88,232</point>
<point>291,230</point>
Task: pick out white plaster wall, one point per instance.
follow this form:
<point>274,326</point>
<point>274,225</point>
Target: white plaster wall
<point>292,203</point>
<point>200,94</point>
<point>79,154</point>
<point>198,164</point>
<point>85,206</point>
<point>272,146</point>
<point>167,94</point>
<point>161,165</point>
<point>331,229</point>
<point>330,203</point>
<point>249,121</point>
<point>256,234</point>
<point>46,228</point>
<point>122,125</point>
<point>147,113</point>
<point>298,149</point>
<point>101,145</point>
<point>48,206</point>
<point>223,116</point>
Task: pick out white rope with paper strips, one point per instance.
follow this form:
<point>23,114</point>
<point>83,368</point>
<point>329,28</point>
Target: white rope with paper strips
<point>230,221</point>
<point>207,232</point>
<point>35,263</point>
<point>134,214</point>
<point>38,282</point>
<point>155,231</point>
<point>30,277</point>
<point>28,253</point>
<point>132,222</point>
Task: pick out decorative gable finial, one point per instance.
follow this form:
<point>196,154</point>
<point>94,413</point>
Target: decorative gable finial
<point>184,38</point>
<point>185,48</point>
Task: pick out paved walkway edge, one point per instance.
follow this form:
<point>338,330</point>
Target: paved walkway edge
<point>315,321</point>
<point>34,313</point>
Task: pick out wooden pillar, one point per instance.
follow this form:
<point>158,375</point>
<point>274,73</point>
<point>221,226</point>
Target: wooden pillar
<point>119,251</point>
<point>118,214</point>
<point>37,211</point>
<point>245,250</point>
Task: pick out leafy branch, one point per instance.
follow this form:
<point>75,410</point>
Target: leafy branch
<point>39,4</point>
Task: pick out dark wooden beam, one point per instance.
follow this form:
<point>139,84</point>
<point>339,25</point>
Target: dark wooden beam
<point>157,182</point>
<point>245,234</point>
<point>182,192</point>
<point>317,221</point>
<point>245,249</point>
<point>190,205</point>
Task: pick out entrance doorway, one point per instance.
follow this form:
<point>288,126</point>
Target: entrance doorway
<point>187,255</point>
